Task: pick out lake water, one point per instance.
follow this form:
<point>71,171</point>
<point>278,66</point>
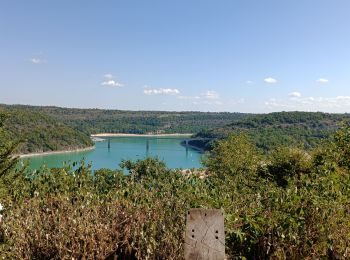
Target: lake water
<point>168,149</point>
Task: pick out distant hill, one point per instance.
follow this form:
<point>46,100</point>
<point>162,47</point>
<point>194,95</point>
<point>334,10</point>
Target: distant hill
<point>41,133</point>
<point>47,128</point>
<point>92,121</point>
<point>305,129</point>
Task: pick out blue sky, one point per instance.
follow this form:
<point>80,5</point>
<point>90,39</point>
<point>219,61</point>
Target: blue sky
<point>234,55</point>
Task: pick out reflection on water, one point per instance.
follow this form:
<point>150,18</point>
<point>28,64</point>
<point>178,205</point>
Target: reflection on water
<point>110,152</point>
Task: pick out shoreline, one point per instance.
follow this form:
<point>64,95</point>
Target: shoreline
<point>136,135</point>
<point>55,152</point>
<point>200,150</point>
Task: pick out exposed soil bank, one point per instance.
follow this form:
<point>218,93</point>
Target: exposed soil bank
<point>137,135</point>
<point>55,152</point>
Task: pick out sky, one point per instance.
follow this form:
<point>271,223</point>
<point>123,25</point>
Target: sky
<point>253,56</point>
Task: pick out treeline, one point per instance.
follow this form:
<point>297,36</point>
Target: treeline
<point>287,204</point>
<point>268,131</point>
<point>92,121</point>
<point>54,128</point>
<point>37,132</point>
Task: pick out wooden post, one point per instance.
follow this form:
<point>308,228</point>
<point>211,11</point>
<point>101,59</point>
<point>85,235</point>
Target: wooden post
<point>205,235</point>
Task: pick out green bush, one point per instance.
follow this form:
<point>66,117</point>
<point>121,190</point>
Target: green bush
<point>285,205</point>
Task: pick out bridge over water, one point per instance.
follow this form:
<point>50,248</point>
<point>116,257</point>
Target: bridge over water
<point>185,142</point>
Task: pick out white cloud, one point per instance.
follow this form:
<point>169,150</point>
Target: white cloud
<point>189,97</point>
<point>270,80</point>
<point>336,104</point>
<point>108,76</point>
<point>210,97</point>
<point>322,80</point>
<point>207,102</point>
<point>161,91</point>
<point>273,103</point>
<point>36,60</point>
<point>339,102</point>
<point>294,94</point>
<point>210,94</point>
<point>112,83</point>
<point>249,82</point>
<point>241,101</point>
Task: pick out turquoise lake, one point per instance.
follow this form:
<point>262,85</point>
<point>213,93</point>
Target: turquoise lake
<point>168,149</point>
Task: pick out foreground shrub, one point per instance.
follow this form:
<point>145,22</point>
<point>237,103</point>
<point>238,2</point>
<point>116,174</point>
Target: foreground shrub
<point>56,228</point>
<point>72,214</point>
<point>292,206</point>
<point>286,205</point>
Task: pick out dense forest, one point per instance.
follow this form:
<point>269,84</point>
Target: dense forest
<point>287,204</point>
<point>92,121</point>
<point>37,132</point>
<point>54,128</point>
<point>43,129</point>
<point>267,131</point>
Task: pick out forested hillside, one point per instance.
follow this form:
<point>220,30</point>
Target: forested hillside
<point>55,128</point>
<point>92,121</point>
<point>38,132</point>
<point>302,129</point>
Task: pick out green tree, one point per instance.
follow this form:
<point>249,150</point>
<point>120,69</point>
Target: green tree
<point>7,160</point>
<point>233,156</point>
<point>342,143</point>
<point>285,163</point>
<point>12,178</point>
